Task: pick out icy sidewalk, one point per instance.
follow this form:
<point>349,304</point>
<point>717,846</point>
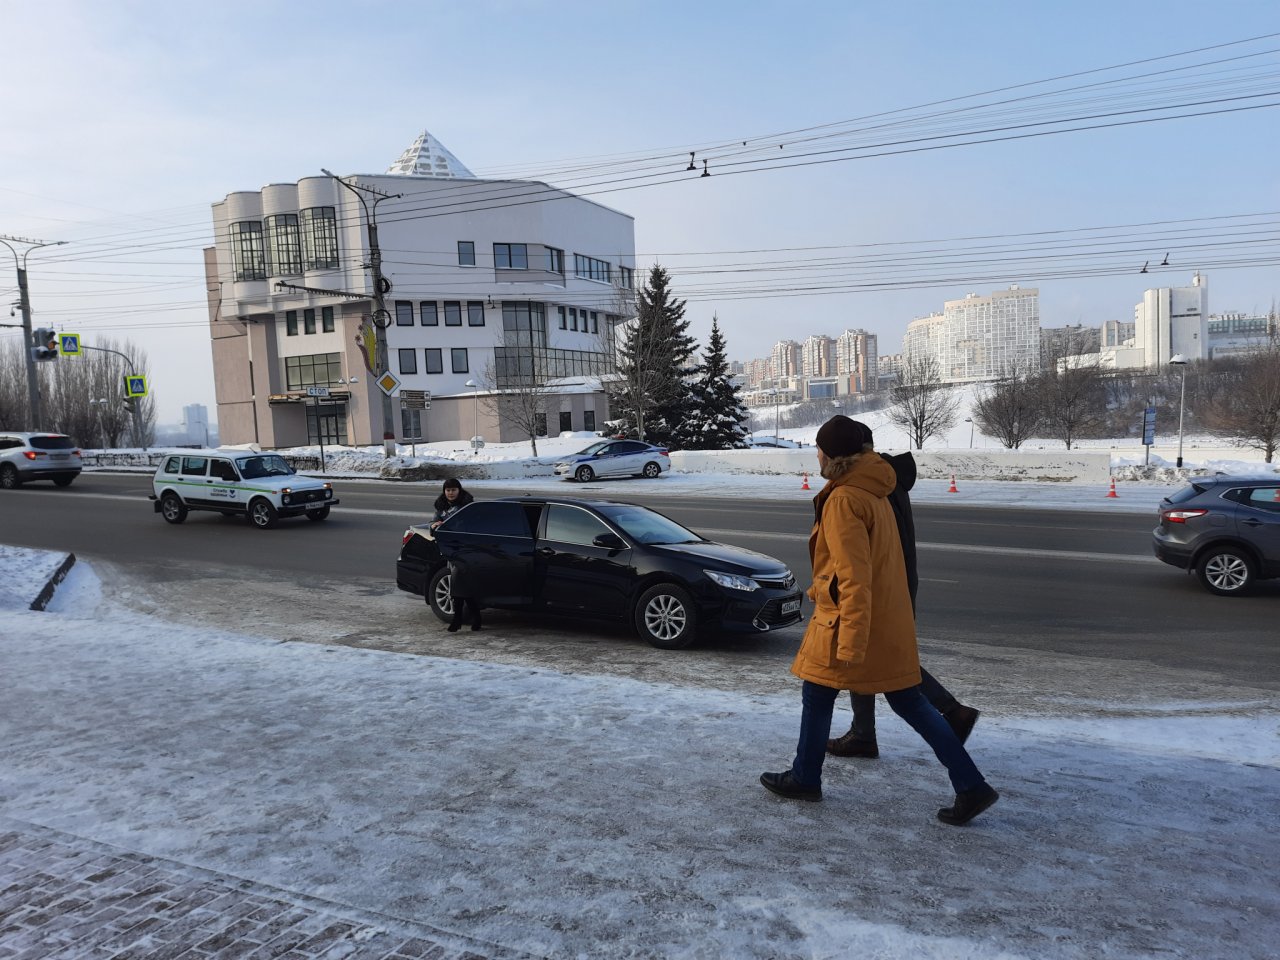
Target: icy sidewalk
<point>567,816</point>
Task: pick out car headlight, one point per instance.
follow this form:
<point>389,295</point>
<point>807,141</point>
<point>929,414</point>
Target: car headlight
<point>732,580</point>
<point>285,498</point>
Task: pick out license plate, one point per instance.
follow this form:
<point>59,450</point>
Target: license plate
<point>790,606</point>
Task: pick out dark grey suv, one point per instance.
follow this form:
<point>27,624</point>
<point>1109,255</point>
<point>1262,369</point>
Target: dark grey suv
<point>30,456</point>
<point>1226,529</point>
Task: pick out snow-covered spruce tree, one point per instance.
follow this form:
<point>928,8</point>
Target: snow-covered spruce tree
<point>718,421</point>
<point>655,363</point>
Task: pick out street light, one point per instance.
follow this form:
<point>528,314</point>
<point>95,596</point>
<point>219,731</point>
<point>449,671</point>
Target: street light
<point>1178,360</point>
<point>475,412</point>
<point>969,421</point>
<point>97,407</point>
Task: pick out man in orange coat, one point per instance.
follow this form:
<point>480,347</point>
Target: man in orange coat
<point>861,636</point>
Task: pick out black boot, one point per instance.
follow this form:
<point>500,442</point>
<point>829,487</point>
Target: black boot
<point>851,746</point>
<point>785,785</point>
<point>969,803</point>
<point>456,623</point>
<point>962,719</point>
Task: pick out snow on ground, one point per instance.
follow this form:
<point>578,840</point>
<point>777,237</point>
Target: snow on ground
<point>581,816</point>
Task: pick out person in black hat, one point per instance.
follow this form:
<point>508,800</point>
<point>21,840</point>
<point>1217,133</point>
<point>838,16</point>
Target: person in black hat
<point>861,636</point>
<point>860,740</point>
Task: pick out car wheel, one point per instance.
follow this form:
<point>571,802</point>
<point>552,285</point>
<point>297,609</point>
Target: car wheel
<point>1226,571</point>
<point>584,474</point>
<point>665,616</point>
<point>62,481</point>
<point>172,508</point>
<point>262,514</point>
<point>9,478</point>
<point>651,470</point>
<point>438,597</point>
<point>319,514</point>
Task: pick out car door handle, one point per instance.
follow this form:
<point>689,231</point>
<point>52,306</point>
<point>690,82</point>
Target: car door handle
<point>1252,522</point>
<point>545,552</point>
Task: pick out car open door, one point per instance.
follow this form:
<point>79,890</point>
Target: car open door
<point>492,543</point>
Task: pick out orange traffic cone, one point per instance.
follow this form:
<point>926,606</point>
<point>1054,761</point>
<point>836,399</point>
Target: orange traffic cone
<point>1112,492</point>
<point>805,485</point>
<point>952,488</point>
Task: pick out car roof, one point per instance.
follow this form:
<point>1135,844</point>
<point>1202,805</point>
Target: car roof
<point>570,501</point>
<point>33,433</point>
<point>1251,481</point>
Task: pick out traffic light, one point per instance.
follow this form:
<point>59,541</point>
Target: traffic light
<point>44,344</point>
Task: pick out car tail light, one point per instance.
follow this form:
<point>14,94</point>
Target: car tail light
<point>32,454</point>
<point>408,534</point>
<point>1181,516</point>
<point>662,453</point>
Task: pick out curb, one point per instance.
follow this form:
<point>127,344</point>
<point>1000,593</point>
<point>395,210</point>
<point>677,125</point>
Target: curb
<point>46,593</point>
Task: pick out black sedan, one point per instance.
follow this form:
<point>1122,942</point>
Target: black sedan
<point>599,559</point>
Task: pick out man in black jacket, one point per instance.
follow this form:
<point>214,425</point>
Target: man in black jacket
<point>860,741</point>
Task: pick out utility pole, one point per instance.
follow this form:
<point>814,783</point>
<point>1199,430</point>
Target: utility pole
<point>381,316</point>
<point>24,304</point>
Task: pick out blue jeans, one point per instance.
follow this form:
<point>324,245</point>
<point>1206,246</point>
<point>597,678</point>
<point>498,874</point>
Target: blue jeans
<point>818,703</point>
<point>864,706</point>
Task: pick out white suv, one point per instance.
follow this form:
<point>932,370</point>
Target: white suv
<point>37,456</point>
<point>261,486</point>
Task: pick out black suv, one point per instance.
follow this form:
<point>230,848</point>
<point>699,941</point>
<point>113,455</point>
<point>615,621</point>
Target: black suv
<point>599,559</point>
<point>1226,529</point>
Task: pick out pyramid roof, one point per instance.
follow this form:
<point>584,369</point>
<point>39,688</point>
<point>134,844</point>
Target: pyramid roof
<point>428,157</point>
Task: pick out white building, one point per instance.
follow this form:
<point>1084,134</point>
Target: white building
<point>980,337</point>
<point>1172,320</point>
<point>487,281</point>
<point>195,420</point>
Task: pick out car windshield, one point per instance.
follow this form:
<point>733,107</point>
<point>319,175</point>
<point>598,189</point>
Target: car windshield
<point>645,526</point>
<point>255,468</point>
<point>593,449</point>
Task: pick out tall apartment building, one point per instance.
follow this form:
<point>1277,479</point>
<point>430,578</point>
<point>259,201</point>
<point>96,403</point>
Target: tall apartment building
<point>980,337</point>
<point>818,357</point>
<point>788,361</point>
<point>484,290</point>
<point>756,373</point>
<point>195,421</point>
<point>857,361</point>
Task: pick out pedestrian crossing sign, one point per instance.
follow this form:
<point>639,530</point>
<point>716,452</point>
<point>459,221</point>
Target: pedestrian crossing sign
<point>135,385</point>
<point>69,344</point>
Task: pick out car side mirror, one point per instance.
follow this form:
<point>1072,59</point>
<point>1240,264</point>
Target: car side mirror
<point>610,541</point>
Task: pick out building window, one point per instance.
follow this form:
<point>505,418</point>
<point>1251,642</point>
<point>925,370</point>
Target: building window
<point>452,313</point>
<point>291,323</point>
<point>316,370</point>
<point>589,420</point>
<point>435,360</point>
<point>404,313</point>
<point>247,250</point>
<point>319,239</point>
<point>408,361</point>
<point>625,275</point>
<point>563,321</point>
<point>410,424</point>
<point>327,422</point>
<point>430,316</point>
<point>573,318</point>
<point>466,253</point>
<point>475,313</point>
<point>510,256</point>
<point>284,245</point>
<point>595,322</point>
<point>540,425</point>
<point>588,268</point>
<point>308,322</point>
<point>555,260</point>
<point>458,355</point>
<point>566,420</point>
<point>326,319</point>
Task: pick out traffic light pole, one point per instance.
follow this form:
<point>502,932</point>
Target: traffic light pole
<point>134,410</point>
<point>24,304</point>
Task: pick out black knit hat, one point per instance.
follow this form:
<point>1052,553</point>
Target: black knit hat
<point>842,437</point>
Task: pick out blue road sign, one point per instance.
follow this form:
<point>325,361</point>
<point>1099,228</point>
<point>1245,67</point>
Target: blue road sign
<point>135,386</point>
<point>1149,426</point>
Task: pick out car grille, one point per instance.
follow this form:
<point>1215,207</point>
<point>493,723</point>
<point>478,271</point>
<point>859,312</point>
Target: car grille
<point>310,496</point>
<point>771,613</point>
<point>788,583</point>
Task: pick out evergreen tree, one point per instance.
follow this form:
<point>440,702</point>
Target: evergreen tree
<point>655,365</point>
<point>718,422</point>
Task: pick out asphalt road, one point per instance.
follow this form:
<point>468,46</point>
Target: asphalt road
<point>1075,595</point>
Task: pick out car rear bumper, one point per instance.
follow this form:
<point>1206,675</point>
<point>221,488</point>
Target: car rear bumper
<point>1174,555</point>
<point>48,473</point>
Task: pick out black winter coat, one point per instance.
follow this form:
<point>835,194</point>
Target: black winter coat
<point>904,465</point>
<point>446,509</point>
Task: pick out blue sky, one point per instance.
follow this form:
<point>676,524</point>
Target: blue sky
<point>124,117</point>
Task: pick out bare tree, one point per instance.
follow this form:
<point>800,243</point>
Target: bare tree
<point>920,403</point>
<point>1248,408</point>
<point>1073,401</point>
<point>518,393</point>
<point>1009,409</point>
